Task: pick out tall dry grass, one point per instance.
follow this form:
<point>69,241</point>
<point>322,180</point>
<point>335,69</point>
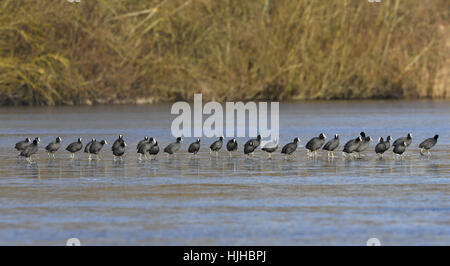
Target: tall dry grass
<point>102,51</point>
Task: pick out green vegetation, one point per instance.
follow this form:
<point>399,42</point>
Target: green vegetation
<point>114,51</point>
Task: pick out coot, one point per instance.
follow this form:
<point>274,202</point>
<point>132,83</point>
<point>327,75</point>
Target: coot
<point>194,147</point>
<point>331,145</point>
<point>351,146</point>
<point>232,145</point>
<point>53,147</point>
<point>251,145</point>
<point>216,145</point>
<point>118,148</point>
<point>30,150</point>
<point>428,144</point>
<point>88,147</point>
<point>363,145</point>
<point>387,142</point>
<point>21,145</point>
<point>172,148</point>
<point>315,143</point>
<point>407,140</point>
<point>380,148</point>
<point>145,140</point>
<point>118,142</point>
<point>145,147</point>
<point>154,150</point>
<point>96,147</point>
<point>289,148</point>
<point>74,147</point>
<point>400,148</point>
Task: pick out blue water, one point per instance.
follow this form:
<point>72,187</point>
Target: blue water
<point>226,201</point>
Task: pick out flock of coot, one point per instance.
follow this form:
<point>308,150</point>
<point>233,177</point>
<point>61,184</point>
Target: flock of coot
<point>149,146</point>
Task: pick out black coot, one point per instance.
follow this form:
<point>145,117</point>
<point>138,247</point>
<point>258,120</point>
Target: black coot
<point>154,150</point>
<point>289,148</point>
<point>351,146</point>
<point>21,145</point>
<point>232,145</point>
<point>118,148</point>
<point>30,149</point>
<point>363,145</point>
<point>331,145</point>
<point>315,143</point>
<point>145,147</point>
<point>119,151</point>
<point>251,145</point>
<point>53,147</point>
<point>74,147</point>
<point>117,143</point>
<point>88,147</point>
<point>380,148</point>
<point>428,144</point>
<point>400,148</point>
<point>257,141</point>
<point>194,147</point>
<point>407,140</point>
<point>172,148</point>
<point>249,148</point>
<point>270,147</point>
<point>216,146</point>
<point>96,147</point>
<point>145,140</point>
<point>387,142</point>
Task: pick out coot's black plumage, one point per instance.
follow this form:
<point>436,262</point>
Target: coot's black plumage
<point>232,145</point>
<point>407,140</point>
<point>118,147</point>
<point>251,145</point>
<point>145,147</point>
<point>381,147</point>
<point>88,145</point>
<point>145,140</point>
<point>87,148</point>
<point>118,142</point>
<point>363,145</point>
<point>53,147</point>
<point>428,144</point>
<point>194,147</point>
<point>173,147</point>
<point>216,145</point>
<point>119,150</point>
<point>154,150</point>
<point>21,145</point>
<point>30,149</point>
<point>96,147</point>
<point>315,143</point>
<point>400,148</point>
<point>331,145</point>
<point>289,148</point>
<point>74,147</point>
<point>388,142</point>
<point>256,142</point>
<point>351,145</point>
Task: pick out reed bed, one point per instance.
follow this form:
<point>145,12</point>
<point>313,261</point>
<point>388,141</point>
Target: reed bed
<point>110,51</point>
